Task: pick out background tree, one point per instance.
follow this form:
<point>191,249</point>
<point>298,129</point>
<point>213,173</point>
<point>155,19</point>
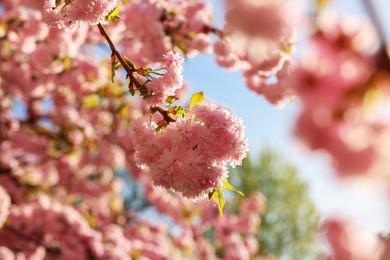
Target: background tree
<point>289,225</point>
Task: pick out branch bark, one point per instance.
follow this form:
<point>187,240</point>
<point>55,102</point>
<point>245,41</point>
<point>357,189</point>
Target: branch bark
<point>370,9</point>
<point>121,59</point>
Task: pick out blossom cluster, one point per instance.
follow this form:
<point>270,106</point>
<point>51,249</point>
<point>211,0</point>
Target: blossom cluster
<point>70,14</point>
<point>336,80</point>
<point>343,236</point>
<point>166,85</point>
<point>54,228</point>
<point>170,25</point>
<point>191,154</point>
<point>66,129</point>
<point>234,235</point>
<point>258,38</point>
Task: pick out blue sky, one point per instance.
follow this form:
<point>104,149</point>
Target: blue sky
<point>268,126</point>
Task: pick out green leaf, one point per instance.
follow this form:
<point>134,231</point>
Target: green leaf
<point>130,63</point>
<point>182,46</point>
<point>66,61</point>
<point>218,196</point>
<point>180,112</point>
<point>160,128</point>
<point>77,201</point>
<point>199,121</point>
<point>91,101</point>
<point>114,66</point>
<point>227,185</point>
<point>171,99</point>
<point>114,15</point>
<point>196,98</point>
<point>321,4</point>
<point>371,97</point>
<point>4,26</point>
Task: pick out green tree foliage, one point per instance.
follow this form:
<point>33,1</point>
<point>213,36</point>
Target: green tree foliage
<point>289,226</point>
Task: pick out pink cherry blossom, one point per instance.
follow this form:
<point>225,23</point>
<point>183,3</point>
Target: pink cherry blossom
<point>333,79</point>
<point>259,38</point>
<point>166,85</point>
<point>5,203</point>
<point>72,14</point>
<point>197,147</point>
<point>348,241</point>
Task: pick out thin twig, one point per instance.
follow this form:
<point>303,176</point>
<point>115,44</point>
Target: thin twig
<point>383,62</point>
<point>129,69</point>
<point>123,62</point>
<point>375,20</point>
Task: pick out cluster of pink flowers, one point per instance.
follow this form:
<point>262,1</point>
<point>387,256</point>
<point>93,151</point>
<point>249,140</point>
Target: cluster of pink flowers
<point>53,227</point>
<point>334,80</point>
<point>190,155</point>
<point>50,144</point>
<point>72,132</point>
<point>71,14</point>
<point>258,39</point>
<point>234,234</point>
<point>154,27</point>
<point>177,207</point>
<point>167,84</point>
<point>344,236</point>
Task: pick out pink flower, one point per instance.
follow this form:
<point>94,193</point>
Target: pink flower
<point>334,79</point>
<point>348,241</point>
<point>73,14</point>
<point>190,155</point>
<point>6,253</point>
<point>167,84</point>
<point>5,204</point>
<point>259,38</point>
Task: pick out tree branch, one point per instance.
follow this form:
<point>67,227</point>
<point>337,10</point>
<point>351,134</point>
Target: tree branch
<point>383,62</point>
<point>129,69</point>
<point>121,59</point>
<point>370,9</point>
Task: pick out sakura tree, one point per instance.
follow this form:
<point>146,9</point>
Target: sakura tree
<point>88,88</point>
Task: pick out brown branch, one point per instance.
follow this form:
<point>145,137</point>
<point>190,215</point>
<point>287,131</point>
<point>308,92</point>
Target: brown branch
<point>126,66</point>
<point>165,115</point>
<point>370,9</point>
<point>383,62</point>
<point>130,70</point>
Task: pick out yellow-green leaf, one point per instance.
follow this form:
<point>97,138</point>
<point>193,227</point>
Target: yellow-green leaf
<point>321,4</point>
<point>171,99</point>
<point>218,196</point>
<point>114,66</point>
<point>67,62</point>
<point>91,101</point>
<point>371,97</point>
<point>130,63</point>
<point>3,27</point>
<point>227,185</point>
<point>114,15</point>
<point>196,98</point>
